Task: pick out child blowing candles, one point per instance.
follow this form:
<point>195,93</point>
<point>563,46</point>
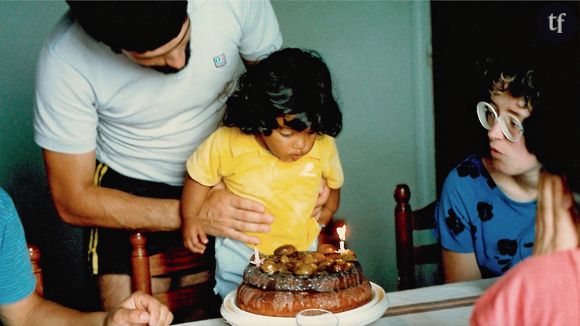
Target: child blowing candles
<point>277,147</point>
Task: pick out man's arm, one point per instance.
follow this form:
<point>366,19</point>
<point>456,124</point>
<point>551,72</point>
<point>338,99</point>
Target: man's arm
<point>458,267</point>
<point>33,310</point>
<point>79,202</point>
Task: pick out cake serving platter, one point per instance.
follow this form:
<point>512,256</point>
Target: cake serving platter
<point>362,315</point>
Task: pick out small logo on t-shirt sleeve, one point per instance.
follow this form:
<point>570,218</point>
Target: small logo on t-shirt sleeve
<point>219,60</point>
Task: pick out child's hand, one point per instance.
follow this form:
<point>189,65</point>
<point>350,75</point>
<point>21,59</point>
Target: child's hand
<point>194,237</point>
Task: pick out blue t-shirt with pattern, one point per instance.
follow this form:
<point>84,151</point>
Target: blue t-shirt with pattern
<point>474,215</point>
<point>16,278</point>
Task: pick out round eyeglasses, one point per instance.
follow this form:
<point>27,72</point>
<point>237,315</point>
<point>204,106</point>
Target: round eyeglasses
<point>510,125</point>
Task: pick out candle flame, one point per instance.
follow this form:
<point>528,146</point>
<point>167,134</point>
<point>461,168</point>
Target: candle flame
<point>341,232</point>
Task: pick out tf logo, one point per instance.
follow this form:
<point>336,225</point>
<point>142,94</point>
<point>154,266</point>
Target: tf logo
<point>557,22</point>
<point>219,60</point>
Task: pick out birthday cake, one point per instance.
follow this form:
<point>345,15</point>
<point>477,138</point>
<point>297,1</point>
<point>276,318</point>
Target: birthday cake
<point>289,281</point>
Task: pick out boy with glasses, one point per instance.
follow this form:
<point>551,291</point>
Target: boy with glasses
<point>545,289</point>
<point>485,215</point>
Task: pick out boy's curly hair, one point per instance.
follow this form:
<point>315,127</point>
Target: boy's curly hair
<point>288,82</point>
<point>516,78</point>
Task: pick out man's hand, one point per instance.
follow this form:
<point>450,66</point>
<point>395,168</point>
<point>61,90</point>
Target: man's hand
<point>556,224</point>
<point>139,309</point>
<point>226,215</point>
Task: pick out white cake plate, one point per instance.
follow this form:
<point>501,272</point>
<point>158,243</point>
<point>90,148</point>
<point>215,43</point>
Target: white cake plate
<point>362,315</point>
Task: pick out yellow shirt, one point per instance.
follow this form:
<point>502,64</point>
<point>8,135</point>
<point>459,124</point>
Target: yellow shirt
<point>288,190</point>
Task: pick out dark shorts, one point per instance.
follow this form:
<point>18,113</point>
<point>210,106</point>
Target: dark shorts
<point>109,250</point>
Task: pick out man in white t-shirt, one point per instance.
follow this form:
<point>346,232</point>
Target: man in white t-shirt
<point>125,92</point>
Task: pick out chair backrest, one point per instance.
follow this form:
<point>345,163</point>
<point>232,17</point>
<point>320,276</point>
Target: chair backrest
<point>410,255</point>
<point>191,294</point>
<point>328,233</point>
<point>34,253</point>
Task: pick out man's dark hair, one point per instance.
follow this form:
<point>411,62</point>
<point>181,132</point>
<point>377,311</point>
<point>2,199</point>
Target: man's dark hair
<point>138,26</point>
<point>288,82</point>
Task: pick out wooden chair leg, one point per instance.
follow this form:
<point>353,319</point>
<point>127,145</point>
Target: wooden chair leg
<point>141,280</point>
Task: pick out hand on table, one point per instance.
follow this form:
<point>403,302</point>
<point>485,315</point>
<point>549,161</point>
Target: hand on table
<point>139,309</point>
<point>557,226</point>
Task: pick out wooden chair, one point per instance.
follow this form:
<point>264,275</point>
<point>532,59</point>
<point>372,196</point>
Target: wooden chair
<point>328,233</point>
<point>409,255</point>
<point>190,296</point>
<point>34,253</point>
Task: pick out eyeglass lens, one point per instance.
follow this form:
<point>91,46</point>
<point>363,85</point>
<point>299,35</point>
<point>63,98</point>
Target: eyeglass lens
<point>513,125</point>
<point>510,126</point>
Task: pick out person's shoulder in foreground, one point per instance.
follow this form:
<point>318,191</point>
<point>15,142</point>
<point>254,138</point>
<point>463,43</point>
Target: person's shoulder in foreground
<point>21,305</point>
<point>16,279</point>
<point>535,292</point>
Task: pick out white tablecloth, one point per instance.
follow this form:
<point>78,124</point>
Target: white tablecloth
<point>448,317</point>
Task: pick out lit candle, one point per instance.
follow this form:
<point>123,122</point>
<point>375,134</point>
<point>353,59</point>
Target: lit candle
<point>342,235</point>
<point>257,261</point>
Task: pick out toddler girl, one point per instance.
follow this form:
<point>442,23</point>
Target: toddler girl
<point>276,148</point>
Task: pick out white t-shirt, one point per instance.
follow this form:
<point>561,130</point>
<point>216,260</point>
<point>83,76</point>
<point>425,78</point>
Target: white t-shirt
<point>143,123</point>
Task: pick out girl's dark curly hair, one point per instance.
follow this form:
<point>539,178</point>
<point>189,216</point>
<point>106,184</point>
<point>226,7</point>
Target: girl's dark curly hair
<point>288,82</point>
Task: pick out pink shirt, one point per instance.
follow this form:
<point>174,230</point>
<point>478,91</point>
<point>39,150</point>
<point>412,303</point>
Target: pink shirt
<point>541,290</point>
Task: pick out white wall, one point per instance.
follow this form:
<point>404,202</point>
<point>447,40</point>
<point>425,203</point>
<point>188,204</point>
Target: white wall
<point>378,53</point>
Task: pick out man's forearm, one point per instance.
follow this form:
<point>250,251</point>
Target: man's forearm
<point>106,207</point>
<point>79,202</point>
<point>52,314</point>
<point>33,310</point>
